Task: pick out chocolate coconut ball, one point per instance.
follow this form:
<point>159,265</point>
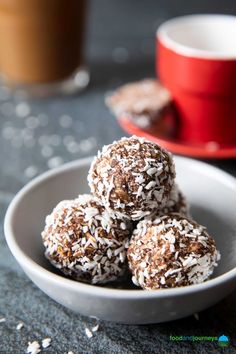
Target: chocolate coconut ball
<point>143,102</point>
<point>132,177</point>
<point>171,251</point>
<point>176,203</point>
<point>85,242</point>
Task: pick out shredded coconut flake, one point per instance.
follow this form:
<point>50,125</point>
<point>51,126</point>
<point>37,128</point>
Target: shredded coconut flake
<point>20,326</point>
<point>88,333</point>
<point>33,348</point>
<point>46,342</point>
<point>95,328</point>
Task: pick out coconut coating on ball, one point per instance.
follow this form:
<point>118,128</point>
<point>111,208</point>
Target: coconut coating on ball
<point>132,177</point>
<point>171,251</point>
<point>85,242</point>
<point>177,203</point>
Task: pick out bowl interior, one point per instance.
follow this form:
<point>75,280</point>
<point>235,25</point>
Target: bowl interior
<point>208,35</point>
<point>211,194</point>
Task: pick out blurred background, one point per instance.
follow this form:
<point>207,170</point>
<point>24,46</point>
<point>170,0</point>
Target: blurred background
<point>132,25</point>
<point>37,134</point>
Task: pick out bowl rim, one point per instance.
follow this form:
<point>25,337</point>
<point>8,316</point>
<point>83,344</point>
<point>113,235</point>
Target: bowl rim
<point>28,263</point>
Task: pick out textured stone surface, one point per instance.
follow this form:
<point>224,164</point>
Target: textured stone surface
<point>92,127</point>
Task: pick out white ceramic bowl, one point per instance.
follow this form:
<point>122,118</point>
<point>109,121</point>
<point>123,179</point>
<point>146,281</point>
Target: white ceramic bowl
<point>212,195</point>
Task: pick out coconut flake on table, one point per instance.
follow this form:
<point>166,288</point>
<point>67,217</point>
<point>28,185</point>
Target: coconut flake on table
<point>88,333</point>
<point>33,348</point>
<point>46,342</point>
<point>20,326</point>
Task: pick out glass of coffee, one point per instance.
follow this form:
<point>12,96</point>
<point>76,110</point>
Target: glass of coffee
<point>41,45</point>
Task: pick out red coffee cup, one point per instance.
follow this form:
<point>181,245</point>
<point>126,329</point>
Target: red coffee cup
<point>196,61</point>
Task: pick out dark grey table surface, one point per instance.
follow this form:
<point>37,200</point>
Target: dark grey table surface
<point>38,135</point>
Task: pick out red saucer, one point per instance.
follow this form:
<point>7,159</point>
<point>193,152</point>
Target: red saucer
<point>162,135</point>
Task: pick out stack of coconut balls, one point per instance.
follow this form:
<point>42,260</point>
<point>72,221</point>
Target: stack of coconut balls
<point>135,215</point>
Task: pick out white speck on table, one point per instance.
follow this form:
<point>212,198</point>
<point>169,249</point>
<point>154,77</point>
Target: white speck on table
<point>33,347</point>
<point>20,326</point>
<point>46,342</point>
<point>88,333</point>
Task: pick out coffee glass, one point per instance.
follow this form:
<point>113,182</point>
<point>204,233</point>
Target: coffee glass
<point>196,61</point>
<point>41,45</point>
